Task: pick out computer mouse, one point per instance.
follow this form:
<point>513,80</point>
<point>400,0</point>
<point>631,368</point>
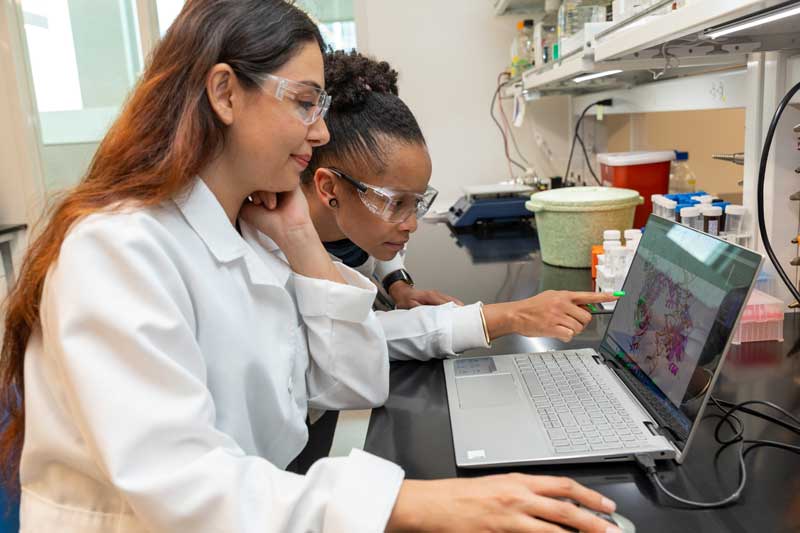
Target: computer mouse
<point>625,525</point>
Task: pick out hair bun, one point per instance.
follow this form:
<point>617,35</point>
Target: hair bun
<point>350,77</point>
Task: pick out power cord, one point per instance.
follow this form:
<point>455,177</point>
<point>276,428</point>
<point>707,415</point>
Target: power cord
<point>737,437</point>
<point>508,128</point>
<point>502,131</point>
<point>588,161</point>
<point>577,138</point>
<point>762,172</point>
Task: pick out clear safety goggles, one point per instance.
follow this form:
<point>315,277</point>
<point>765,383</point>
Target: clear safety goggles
<point>311,103</point>
<point>390,205</point>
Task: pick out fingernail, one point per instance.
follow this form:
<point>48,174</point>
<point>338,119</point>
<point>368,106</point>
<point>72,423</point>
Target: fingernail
<point>608,505</point>
<point>613,529</point>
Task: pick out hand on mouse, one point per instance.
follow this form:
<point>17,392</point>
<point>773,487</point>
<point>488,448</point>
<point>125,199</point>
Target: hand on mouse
<point>609,517</point>
<point>508,503</point>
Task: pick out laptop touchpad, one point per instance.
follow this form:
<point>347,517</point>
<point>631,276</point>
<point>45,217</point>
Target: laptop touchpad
<point>486,391</point>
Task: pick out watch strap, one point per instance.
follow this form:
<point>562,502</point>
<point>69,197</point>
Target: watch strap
<point>397,275</point>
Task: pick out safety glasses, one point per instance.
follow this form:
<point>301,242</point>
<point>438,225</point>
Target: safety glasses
<point>311,103</point>
<point>390,205</point>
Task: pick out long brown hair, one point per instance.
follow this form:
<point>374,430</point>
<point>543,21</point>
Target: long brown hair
<point>166,132</point>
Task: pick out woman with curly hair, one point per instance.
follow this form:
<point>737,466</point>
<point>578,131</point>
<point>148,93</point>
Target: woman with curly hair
<point>366,189</point>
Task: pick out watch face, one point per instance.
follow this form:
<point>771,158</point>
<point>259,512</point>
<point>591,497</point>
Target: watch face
<point>407,277</point>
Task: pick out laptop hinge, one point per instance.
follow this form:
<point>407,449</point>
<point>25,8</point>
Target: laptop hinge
<point>661,431</point>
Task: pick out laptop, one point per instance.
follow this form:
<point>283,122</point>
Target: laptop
<point>642,392</point>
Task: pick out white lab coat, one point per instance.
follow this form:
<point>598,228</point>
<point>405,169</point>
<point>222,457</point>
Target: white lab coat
<point>167,386</point>
<point>426,331</point>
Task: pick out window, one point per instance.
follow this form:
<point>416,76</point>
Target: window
<point>54,67</point>
<point>335,19</point>
<point>339,35</point>
<point>167,11</point>
<point>84,58</point>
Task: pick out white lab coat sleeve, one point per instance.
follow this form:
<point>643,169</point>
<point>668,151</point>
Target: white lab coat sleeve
<point>384,268</point>
<point>349,364</point>
<point>118,320</point>
<point>432,331</point>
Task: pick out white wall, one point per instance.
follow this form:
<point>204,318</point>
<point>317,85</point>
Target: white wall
<point>448,54</point>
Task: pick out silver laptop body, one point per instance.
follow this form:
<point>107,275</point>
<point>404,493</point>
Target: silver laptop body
<point>625,399</point>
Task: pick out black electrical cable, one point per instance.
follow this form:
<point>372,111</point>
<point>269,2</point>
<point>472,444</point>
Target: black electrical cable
<point>577,138</point>
<point>588,162</point>
<point>503,133</point>
<point>737,437</point>
<point>742,407</point>
<point>574,140</point>
<point>762,172</point>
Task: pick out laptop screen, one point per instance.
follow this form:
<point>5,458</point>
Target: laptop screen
<point>668,334</point>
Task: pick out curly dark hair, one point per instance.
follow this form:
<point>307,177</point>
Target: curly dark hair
<point>366,116</point>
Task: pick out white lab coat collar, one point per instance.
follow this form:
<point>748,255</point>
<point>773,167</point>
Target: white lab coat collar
<point>208,219</point>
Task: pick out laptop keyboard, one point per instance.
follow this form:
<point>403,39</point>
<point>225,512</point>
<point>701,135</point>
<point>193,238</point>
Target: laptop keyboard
<point>578,414</point>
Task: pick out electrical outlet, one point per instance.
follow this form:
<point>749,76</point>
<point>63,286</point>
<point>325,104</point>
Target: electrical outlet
<point>717,91</point>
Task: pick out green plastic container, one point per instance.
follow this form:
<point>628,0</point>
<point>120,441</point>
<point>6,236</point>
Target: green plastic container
<point>572,219</point>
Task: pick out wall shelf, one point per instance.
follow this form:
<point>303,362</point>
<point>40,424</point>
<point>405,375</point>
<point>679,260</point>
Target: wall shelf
<point>626,40</point>
<point>663,47</point>
<point>558,77</point>
<point>552,75</point>
<point>517,7</point>
<point>712,90</point>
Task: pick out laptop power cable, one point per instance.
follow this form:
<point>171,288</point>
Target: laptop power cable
<point>736,426</point>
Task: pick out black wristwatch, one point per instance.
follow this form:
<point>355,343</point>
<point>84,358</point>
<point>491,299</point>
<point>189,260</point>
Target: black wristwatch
<point>397,275</point>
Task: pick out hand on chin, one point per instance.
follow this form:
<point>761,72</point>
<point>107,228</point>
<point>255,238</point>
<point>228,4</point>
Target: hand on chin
<point>277,214</point>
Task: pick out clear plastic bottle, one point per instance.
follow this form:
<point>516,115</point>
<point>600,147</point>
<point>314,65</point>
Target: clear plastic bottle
<point>668,208</point>
<point>658,204</point>
<point>612,235</point>
<point>607,247</point>
<point>573,14</point>
<point>735,219</point>
<point>690,216</point>
<point>606,271</point>
<point>523,49</point>
<point>681,177</point>
<point>620,264</point>
<point>632,238</point>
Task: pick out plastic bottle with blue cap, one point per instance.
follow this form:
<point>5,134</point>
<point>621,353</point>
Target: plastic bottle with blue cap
<point>681,177</point>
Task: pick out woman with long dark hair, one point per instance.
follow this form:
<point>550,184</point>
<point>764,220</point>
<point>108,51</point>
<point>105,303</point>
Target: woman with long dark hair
<point>166,336</point>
